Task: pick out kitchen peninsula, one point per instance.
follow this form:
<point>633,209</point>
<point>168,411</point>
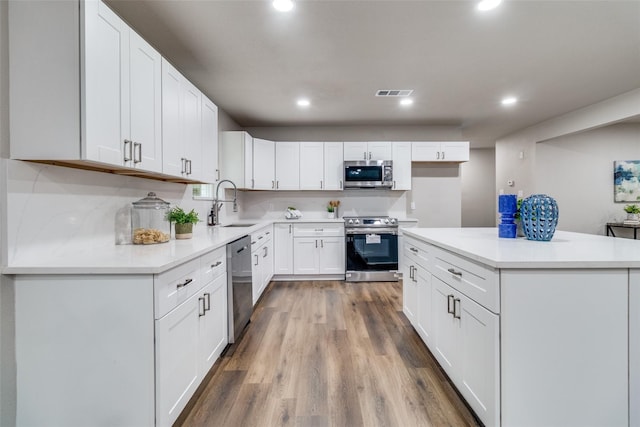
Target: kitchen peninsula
<point>532,333</point>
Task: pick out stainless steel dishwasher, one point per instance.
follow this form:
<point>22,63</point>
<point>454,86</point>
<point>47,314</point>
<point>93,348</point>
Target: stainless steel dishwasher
<point>240,302</point>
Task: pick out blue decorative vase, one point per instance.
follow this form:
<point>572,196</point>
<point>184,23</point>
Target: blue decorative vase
<point>539,216</point>
<point>507,206</point>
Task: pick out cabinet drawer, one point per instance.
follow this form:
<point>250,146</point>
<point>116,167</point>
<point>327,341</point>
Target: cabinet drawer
<point>417,252</point>
<point>318,229</point>
<point>259,237</point>
<point>478,282</point>
<point>213,264</point>
<point>175,286</point>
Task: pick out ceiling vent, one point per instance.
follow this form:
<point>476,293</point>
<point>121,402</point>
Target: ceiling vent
<point>389,92</point>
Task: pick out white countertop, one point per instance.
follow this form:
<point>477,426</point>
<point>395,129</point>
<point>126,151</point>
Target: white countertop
<point>565,250</point>
<point>88,258</point>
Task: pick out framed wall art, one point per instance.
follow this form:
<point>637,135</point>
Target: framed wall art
<point>626,180</point>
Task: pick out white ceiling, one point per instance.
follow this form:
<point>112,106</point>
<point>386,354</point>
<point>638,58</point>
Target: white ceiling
<point>254,62</point>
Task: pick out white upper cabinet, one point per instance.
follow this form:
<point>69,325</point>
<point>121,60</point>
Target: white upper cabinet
<point>181,125</point>
<point>236,158</point>
<point>312,166</point>
<point>401,156</point>
<point>333,165</point>
<point>436,151</point>
<point>100,101</point>
<point>287,165</point>
<point>210,170</point>
<point>264,164</point>
<point>374,150</point>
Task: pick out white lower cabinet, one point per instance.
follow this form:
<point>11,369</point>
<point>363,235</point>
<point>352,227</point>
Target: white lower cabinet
<point>261,261</point>
<point>128,349</point>
<point>462,335</point>
<point>283,249</point>
<point>318,249</point>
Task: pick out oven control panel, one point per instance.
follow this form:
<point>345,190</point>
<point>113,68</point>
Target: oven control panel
<point>370,222</point>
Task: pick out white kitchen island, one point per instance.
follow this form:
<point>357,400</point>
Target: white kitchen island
<point>532,333</point>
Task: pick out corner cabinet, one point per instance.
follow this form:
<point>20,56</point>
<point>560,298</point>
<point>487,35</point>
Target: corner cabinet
<point>436,151</point>
<point>248,162</point>
<point>210,168</point>
<point>147,340</point>
<point>401,156</point>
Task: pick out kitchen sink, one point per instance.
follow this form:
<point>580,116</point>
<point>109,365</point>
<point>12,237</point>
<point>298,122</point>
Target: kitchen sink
<point>238,225</point>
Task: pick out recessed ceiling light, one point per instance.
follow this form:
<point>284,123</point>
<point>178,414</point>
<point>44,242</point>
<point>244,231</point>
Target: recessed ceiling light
<point>406,101</point>
<point>510,100</point>
<point>283,5</point>
<point>303,102</point>
<point>485,5</point>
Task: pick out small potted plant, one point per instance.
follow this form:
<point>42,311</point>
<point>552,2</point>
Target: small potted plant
<point>332,208</point>
<point>183,221</point>
<point>632,212</point>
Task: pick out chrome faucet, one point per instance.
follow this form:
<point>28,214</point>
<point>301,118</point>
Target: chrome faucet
<point>214,216</point>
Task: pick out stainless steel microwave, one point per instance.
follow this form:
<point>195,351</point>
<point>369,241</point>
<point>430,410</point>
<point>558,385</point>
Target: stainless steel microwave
<point>368,174</point>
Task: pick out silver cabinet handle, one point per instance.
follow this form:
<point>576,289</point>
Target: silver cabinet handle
<point>264,255</point>
<point>340,183</point>
<point>182,285</point>
<point>413,250</point>
<point>183,165</point>
<point>316,243</point>
<point>456,313</point>
<point>365,155</point>
<point>273,184</point>
<point>217,174</point>
<point>189,164</point>
<point>394,184</point>
<point>321,243</point>
<point>128,145</point>
<point>267,233</point>
<point>321,184</point>
<point>437,155</point>
<point>289,228</point>
<point>253,185</point>
<point>443,159</point>
<point>277,185</point>
<point>216,264</point>
<point>200,314</point>
<point>369,155</point>
<point>450,300</point>
<point>411,272</point>
<point>455,273</point>
<point>138,158</point>
<point>208,296</point>
<point>415,270</point>
<point>256,255</point>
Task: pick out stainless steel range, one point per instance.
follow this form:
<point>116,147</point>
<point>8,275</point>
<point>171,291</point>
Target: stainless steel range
<point>371,248</point>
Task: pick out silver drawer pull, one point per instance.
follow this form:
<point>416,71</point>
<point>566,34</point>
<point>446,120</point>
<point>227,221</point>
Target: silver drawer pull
<point>204,308</point>
<point>456,313</point>
<point>216,264</point>
<point>455,273</point>
<point>186,282</point>
<point>413,250</point>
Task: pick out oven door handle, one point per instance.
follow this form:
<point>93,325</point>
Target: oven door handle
<point>393,232</point>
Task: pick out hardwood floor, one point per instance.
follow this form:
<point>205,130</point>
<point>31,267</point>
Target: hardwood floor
<point>328,353</point>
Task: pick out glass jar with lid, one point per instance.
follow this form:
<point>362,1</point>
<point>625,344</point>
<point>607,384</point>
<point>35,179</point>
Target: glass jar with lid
<point>149,223</point>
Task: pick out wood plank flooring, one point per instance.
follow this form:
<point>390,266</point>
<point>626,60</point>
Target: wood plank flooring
<point>328,353</point>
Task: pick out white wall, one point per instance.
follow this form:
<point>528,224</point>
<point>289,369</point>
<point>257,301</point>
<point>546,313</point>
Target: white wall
<point>479,189</point>
<point>436,191</point>
<point>516,153</point>
<point>577,170</point>
<point>7,346</point>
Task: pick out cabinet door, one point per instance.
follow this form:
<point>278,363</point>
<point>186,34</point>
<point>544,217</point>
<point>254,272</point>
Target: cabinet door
<point>191,120</point>
<point>172,156</point>
<point>409,290</point>
<point>145,83</point>
<point>332,259</point>
<point>356,151</point>
<point>177,357</point>
<point>287,165</point>
<point>256,273</point>
<point>333,165</point>
<point>379,150</point>
<point>106,84</point>
<point>267,264</point>
<point>424,303</point>
<point>446,329</point>
<point>305,255</point>
<point>263,164</point>
<point>212,301</point>
<point>312,166</point>
<point>479,359</point>
<point>455,151</point>
<point>425,151</point>
<point>401,156</point>
<point>283,245</point>
<point>210,170</point>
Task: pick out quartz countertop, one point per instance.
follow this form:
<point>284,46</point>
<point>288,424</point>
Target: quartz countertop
<point>133,259</point>
<point>565,250</point>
